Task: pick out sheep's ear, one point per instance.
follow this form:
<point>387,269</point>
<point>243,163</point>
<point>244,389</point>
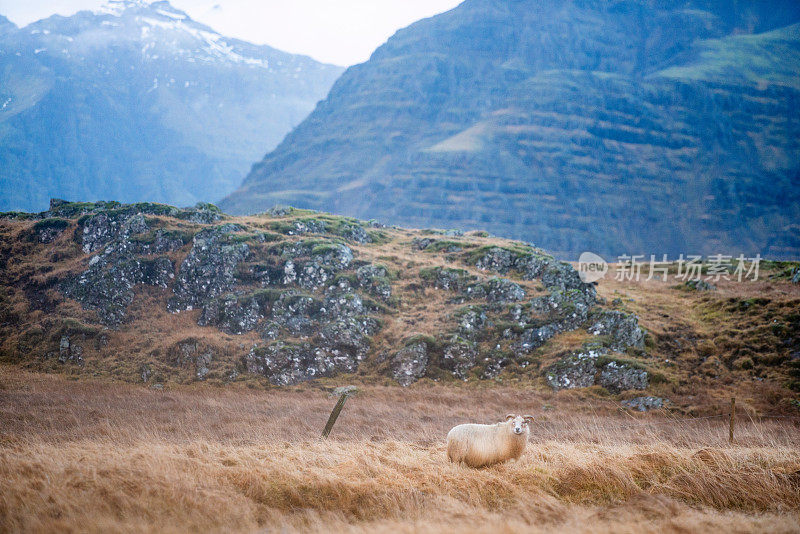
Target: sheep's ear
<point>528,418</point>
<point>510,416</point>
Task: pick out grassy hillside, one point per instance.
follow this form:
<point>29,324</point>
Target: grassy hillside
<point>187,296</point>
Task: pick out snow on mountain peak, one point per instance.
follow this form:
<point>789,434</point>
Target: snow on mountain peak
<point>159,23</point>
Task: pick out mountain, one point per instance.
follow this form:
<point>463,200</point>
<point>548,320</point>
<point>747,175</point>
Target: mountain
<point>137,101</point>
<point>620,127</point>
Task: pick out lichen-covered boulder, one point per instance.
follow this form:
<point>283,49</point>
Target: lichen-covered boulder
<point>374,279</point>
<point>107,285</point>
<point>458,357</point>
<point>447,278</point>
<point>622,329</point>
<point>577,370</point>
<point>296,314</point>
<point>501,290</point>
<point>103,228</point>
<point>617,377</point>
<point>496,259</point>
<point>409,364</point>
<point>208,270</point>
<point>471,321</point>
<point>291,363</point>
<point>354,233</point>
<point>232,314</point>
<point>349,334</point>
<point>531,266</point>
<point>310,275</point>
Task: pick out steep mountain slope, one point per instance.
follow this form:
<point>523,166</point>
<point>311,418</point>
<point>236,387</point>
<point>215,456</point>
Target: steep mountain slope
<point>136,102</point>
<point>612,126</point>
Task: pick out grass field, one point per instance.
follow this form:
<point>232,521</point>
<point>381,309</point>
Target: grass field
<point>96,456</point>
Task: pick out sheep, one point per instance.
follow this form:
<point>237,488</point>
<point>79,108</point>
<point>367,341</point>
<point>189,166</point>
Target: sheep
<point>484,445</point>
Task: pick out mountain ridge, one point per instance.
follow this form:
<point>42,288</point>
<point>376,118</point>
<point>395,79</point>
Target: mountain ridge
<point>545,122</point>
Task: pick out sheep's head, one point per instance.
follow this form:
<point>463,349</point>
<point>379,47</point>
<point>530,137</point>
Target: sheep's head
<point>519,423</point>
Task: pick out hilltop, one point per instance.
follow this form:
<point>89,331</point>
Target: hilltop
<point>152,294</point>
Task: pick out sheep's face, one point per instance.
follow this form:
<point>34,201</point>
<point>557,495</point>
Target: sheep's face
<point>519,424</point>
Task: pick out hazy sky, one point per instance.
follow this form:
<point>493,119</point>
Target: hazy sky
<point>344,32</point>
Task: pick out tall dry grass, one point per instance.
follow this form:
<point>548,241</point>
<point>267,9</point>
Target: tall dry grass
<point>103,457</point>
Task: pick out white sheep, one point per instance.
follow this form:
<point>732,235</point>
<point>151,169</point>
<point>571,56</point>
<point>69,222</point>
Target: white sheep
<point>484,445</point>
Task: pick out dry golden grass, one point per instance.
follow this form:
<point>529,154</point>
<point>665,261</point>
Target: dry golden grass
<point>96,456</point>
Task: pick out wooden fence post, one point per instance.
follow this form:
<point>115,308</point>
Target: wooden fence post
<point>733,419</point>
<point>343,393</point>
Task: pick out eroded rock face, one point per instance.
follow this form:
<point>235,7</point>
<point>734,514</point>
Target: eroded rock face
<point>621,328</point>
<point>208,270</point>
<point>410,363</point>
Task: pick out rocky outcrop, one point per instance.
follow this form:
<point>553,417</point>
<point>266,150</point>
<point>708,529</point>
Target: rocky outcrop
<point>105,227</point>
<point>617,377</point>
<point>311,306</point>
<point>471,321</point>
<point>621,329</point>
<point>208,270</point>
<point>375,280</point>
<point>459,357</point>
<point>593,366</point>
<point>699,285</point>
<point>409,364</point>
<point>531,265</point>
<point>193,354</point>
<point>107,285</point>
<point>48,230</point>
<point>286,363</point>
<point>470,287</point>
<point>574,371</point>
<point>69,351</point>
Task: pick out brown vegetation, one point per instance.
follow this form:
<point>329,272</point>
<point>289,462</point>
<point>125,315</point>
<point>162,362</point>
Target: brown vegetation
<point>94,456</point>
